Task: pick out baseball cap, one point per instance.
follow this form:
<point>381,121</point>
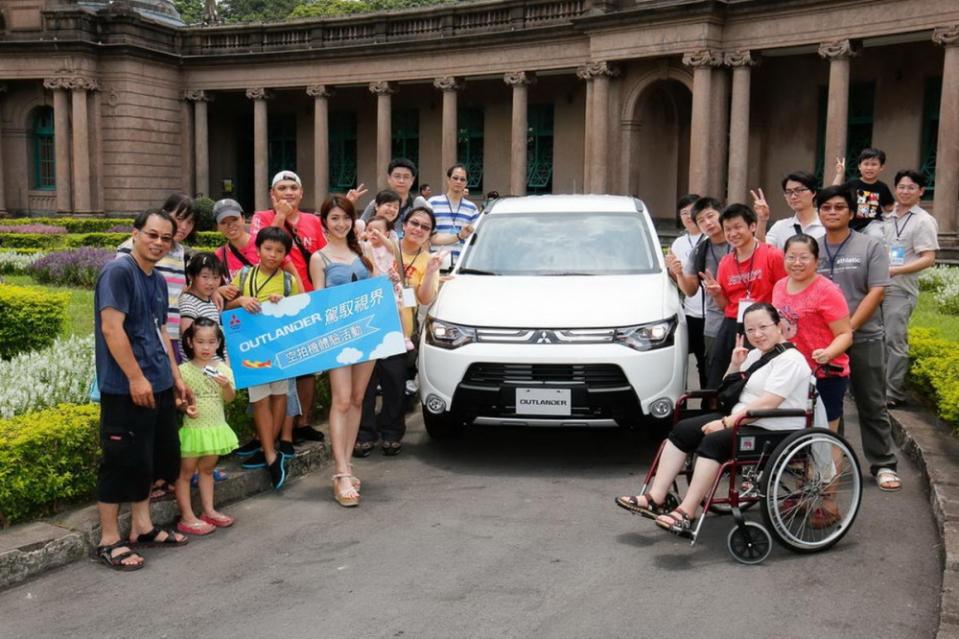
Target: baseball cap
<point>227,208</point>
<point>286,175</point>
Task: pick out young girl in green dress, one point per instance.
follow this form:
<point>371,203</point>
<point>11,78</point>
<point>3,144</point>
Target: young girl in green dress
<point>205,435</point>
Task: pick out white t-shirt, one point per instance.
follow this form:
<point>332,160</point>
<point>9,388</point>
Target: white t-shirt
<point>782,230</point>
<point>683,249</point>
<point>786,375</point>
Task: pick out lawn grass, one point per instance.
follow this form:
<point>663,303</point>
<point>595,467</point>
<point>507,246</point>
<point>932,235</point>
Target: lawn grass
<point>927,315</point>
<point>79,307</point>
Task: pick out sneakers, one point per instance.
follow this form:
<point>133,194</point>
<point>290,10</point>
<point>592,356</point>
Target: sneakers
<point>412,385</point>
<point>247,449</point>
<point>286,449</point>
<point>257,460</point>
<point>307,434</point>
<point>278,472</point>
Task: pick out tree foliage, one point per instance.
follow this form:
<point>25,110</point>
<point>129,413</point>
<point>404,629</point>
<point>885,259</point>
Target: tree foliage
<point>278,10</point>
<point>327,8</point>
<point>191,11</point>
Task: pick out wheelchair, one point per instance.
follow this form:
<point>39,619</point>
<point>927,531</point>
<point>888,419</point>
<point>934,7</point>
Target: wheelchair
<point>807,483</point>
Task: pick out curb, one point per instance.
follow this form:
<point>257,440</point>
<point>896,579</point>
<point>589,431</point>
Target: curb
<point>929,443</point>
<point>31,549</point>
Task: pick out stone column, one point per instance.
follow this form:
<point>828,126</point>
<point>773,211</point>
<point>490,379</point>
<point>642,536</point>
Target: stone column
<point>583,73</point>
<point>261,159</point>
<point>449,85</point>
<point>81,145</point>
<point>599,146</point>
<point>384,128</point>
<point>702,62</point>
<point>945,199</point>
<point>201,139</point>
<point>3,199</point>
<point>837,109</point>
<point>61,141</point>
<point>719,133</point>
<point>321,142</point>
<point>741,62</point>
<point>519,80</point>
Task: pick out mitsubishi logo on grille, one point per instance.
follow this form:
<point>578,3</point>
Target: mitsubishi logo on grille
<point>545,337</point>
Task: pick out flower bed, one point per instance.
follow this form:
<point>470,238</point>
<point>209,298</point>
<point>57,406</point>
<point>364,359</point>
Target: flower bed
<point>60,373</point>
<point>14,262</point>
<point>77,267</point>
<point>43,229</point>
<point>204,239</point>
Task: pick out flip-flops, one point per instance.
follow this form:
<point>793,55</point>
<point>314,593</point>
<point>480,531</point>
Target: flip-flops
<point>198,529</point>
<point>220,522</point>
<point>104,555</point>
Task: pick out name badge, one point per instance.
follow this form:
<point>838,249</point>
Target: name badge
<point>409,298</point>
<point>897,255</point>
<point>743,305</point>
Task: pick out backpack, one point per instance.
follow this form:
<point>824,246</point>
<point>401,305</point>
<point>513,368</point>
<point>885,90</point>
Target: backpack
<point>287,281</point>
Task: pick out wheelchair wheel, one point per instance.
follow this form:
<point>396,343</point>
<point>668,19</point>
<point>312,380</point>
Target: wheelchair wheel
<point>812,490</point>
<point>751,544</point>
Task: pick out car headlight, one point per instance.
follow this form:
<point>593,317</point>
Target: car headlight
<point>646,337</point>
<point>448,335</point>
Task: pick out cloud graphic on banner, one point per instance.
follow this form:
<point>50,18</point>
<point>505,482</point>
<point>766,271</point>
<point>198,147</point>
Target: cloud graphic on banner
<point>288,306</point>
<point>349,356</point>
<point>392,344</point>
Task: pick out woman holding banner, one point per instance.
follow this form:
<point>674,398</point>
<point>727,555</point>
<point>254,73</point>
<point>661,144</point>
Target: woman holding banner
<point>342,261</point>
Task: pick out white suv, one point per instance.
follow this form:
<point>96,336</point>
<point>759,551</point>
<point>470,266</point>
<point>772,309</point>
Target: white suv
<point>560,313</point>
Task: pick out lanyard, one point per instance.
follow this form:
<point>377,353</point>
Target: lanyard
<point>412,262</point>
<point>749,269</point>
<point>254,289</point>
<point>449,204</point>
<point>833,257</point>
<point>895,223</point>
<point>713,253</point>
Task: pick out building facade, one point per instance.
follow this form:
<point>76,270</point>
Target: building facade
<point>108,107</point>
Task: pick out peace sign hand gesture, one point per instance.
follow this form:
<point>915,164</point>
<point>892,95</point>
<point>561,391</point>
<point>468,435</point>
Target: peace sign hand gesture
<point>739,352</point>
<point>436,259</point>
<point>710,284</point>
<point>353,195</point>
<point>760,206</point>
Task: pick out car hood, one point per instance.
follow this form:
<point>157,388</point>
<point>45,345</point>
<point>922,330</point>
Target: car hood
<point>555,302</point>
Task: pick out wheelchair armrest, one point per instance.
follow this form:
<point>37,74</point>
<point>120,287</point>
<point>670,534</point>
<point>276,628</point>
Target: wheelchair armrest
<point>776,412</point>
<point>698,394</point>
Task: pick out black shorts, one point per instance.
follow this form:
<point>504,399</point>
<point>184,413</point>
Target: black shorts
<point>139,445</point>
<point>831,391</point>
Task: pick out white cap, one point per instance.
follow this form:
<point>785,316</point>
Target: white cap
<point>286,175</point>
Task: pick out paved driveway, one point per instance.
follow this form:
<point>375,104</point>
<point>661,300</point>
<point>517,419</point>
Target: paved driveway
<point>500,534</point>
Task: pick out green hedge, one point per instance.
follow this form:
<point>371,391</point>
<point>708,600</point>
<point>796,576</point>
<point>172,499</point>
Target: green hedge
<point>47,458</point>
<point>935,371</point>
<point>38,241</point>
<point>73,224</point>
<point>30,318</point>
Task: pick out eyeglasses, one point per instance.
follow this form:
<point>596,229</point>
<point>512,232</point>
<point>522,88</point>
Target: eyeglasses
<point>153,236</point>
<point>419,225</point>
<point>909,188</point>
<point>829,208</point>
<point>794,192</point>
<point>758,329</point>
<point>799,259</point>
<point>401,177</point>
<point>457,178</point>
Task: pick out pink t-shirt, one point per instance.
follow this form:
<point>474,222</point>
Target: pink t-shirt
<point>753,278</point>
<point>235,264</point>
<point>806,317</point>
<point>308,228</point>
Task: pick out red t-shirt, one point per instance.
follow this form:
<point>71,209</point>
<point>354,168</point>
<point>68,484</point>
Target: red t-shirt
<point>309,230</point>
<point>235,264</point>
<point>753,278</point>
<point>806,317</point>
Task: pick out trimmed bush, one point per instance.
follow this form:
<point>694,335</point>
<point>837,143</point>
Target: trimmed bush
<point>73,224</point>
<point>30,319</point>
<point>31,240</point>
<point>204,214</point>
<point>77,267</point>
<point>47,459</point>
<point>39,241</point>
<point>935,371</point>
<point>45,229</point>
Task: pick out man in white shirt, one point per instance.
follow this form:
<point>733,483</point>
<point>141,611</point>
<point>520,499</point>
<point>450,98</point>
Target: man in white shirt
<point>911,237</point>
<point>693,305</point>
<point>799,189</point>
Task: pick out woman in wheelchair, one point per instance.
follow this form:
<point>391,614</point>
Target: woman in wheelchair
<point>783,383</point>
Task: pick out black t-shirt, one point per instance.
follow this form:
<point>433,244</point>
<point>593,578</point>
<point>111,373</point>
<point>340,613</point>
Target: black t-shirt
<point>871,199</point>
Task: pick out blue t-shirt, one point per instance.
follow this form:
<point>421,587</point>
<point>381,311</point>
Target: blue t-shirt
<point>142,298</point>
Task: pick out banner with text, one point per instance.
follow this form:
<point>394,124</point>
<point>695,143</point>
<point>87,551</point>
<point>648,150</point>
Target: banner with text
<point>314,332</point>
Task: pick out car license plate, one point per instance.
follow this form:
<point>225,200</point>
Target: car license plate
<point>543,401</point>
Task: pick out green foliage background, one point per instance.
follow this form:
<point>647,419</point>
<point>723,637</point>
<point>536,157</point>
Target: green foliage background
<point>277,10</point>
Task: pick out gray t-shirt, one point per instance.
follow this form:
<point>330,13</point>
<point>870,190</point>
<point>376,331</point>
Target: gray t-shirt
<point>857,265</point>
<point>905,237</point>
<point>714,253</point>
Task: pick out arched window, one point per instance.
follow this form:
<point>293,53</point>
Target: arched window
<point>42,149</point>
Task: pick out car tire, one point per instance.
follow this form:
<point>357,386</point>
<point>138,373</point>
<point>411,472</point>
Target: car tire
<point>441,426</point>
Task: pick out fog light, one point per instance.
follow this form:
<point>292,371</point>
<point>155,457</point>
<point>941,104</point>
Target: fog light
<point>435,404</point>
<point>661,408</point>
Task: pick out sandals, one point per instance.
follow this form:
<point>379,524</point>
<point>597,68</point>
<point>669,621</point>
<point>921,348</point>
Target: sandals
<point>197,528</point>
<point>650,510</point>
<point>162,493</point>
<point>391,449</point>
<point>149,539</point>
<point>220,522</point>
<point>344,499</point>
<point>677,522</point>
<point>104,554</point>
<point>363,449</point>
<point>888,480</point>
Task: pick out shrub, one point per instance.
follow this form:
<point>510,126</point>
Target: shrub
<point>947,297</point>
<point>40,241</point>
<point>935,370</point>
<point>47,458</point>
<point>120,228</point>
<point>31,240</point>
<point>43,229</point>
<point>204,214</point>
<point>73,224</point>
<point>78,267</point>
<point>60,373</point>
<point>30,318</point>
<point>933,279</point>
<point>14,262</point>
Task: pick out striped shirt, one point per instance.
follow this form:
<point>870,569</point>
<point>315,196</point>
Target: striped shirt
<point>172,267</point>
<point>452,219</point>
<point>194,307</point>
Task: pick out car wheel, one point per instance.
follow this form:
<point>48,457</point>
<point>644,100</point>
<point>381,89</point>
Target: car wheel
<point>441,426</point>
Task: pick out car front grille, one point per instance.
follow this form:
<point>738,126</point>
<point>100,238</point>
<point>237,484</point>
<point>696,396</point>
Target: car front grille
<point>593,375</point>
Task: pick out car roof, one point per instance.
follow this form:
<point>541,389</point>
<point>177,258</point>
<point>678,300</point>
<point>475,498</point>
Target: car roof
<point>567,204</point>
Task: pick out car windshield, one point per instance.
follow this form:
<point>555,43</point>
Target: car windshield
<point>561,244</point>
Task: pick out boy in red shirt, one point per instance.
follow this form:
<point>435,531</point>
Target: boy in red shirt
<point>745,276</point>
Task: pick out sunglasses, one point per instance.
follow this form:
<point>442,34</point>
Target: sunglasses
<point>420,225</point>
